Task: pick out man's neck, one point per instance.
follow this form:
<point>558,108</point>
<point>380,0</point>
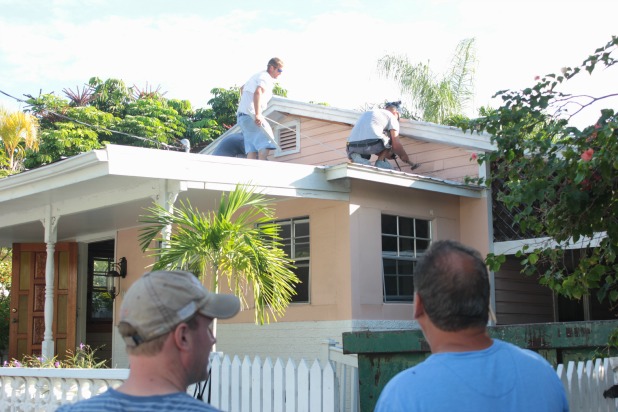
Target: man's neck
<point>467,340</point>
<point>145,380</point>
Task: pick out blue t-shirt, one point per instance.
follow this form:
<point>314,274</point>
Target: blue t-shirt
<point>501,378</point>
<point>114,401</point>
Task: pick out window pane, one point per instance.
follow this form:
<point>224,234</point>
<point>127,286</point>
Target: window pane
<point>99,281</point>
<point>389,245</point>
<point>287,249</point>
<point>302,250</point>
<point>406,267</point>
<point>301,229</point>
<point>406,226</point>
<point>422,246</point>
<point>390,286</point>
<point>406,246</point>
<point>389,224</point>
<point>389,266</point>
<point>302,289</point>
<point>100,266</point>
<point>406,286</point>
<point>285,231</point>
<point>422,229</point>
<point>101,305</point>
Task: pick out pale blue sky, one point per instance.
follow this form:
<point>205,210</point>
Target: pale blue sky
<point>330,47</point>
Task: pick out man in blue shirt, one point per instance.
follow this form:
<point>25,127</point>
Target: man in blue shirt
<point>467,370</point>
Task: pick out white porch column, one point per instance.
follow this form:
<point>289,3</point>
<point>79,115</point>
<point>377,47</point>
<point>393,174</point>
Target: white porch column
<point>168,193</point>
<point>51,236</point>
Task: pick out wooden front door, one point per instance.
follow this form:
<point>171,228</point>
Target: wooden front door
<point>28,299</point>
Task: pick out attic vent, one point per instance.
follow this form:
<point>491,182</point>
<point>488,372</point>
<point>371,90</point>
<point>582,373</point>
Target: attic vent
<point>288,138</point>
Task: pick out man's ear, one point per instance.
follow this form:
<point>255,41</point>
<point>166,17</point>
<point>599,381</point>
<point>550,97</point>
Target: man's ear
<point>419,309</point>
<point>180,336</point>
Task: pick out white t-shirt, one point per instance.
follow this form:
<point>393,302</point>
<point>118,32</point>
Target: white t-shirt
<point>373,124</point>
<point>263,80</point>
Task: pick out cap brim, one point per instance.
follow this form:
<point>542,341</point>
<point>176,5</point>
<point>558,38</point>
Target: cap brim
<point>221,306</point>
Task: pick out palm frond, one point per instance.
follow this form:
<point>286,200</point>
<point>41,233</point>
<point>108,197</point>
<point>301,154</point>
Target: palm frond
<point>237,242</point>
<point>435,98</point>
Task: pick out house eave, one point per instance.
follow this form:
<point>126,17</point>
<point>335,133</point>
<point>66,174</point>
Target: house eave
<point>402,179</point>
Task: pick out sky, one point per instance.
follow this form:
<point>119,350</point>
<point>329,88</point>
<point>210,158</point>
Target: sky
<point>330,48</point>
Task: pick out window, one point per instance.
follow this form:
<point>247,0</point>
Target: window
<point>100,260</point>
<point>288,138</point>
<point>294,235</point>
<point>404,240</point>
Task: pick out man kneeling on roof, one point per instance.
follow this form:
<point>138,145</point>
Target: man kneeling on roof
<point>377,132</point>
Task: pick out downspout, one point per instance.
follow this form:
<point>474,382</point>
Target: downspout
<point>50,223</point>
<point>484,172</point>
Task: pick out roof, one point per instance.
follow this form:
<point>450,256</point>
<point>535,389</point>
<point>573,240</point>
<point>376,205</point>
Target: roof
<point>279,107</point>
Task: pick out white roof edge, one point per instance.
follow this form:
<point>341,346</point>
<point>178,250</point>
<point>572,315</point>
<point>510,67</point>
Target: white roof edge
<point>402,179</point>
<point>58,169</point>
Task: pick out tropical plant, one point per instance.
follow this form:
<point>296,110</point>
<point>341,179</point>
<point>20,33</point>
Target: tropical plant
<point>561,180</point>
<point>18,132</point>
<point>83,357</point>
<point>435,100</point>
<point>236,242</point>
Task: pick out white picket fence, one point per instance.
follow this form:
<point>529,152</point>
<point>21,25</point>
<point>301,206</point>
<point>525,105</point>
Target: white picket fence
<point>266,386</point>
<point>329,384</point>
<point>256,385</point>
<point>585,383</point>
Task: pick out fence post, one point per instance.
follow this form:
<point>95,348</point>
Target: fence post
<point>326,346</point>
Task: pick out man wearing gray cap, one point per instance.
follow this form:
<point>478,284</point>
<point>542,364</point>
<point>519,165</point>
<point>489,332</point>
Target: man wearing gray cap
<point>165,321</point>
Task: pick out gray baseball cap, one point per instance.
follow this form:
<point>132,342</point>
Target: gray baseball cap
<point>159,301</point>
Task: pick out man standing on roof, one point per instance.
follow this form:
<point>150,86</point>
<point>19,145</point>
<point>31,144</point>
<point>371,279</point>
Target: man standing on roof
<point>254,97</point>
<point>377,132</point>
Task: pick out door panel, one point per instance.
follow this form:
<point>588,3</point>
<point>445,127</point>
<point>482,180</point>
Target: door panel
<point>28,299</point>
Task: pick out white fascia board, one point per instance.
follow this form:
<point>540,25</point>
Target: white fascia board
<point>204,171</point>
<point>449,135</point>
<point>79,168</point>
<point>396,178</point>
<point>314,111</point>
<point>513,246</point>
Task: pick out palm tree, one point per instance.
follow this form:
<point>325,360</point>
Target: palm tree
<point>18,132</point>
<point>237,242</point>
<point>436,99</point>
